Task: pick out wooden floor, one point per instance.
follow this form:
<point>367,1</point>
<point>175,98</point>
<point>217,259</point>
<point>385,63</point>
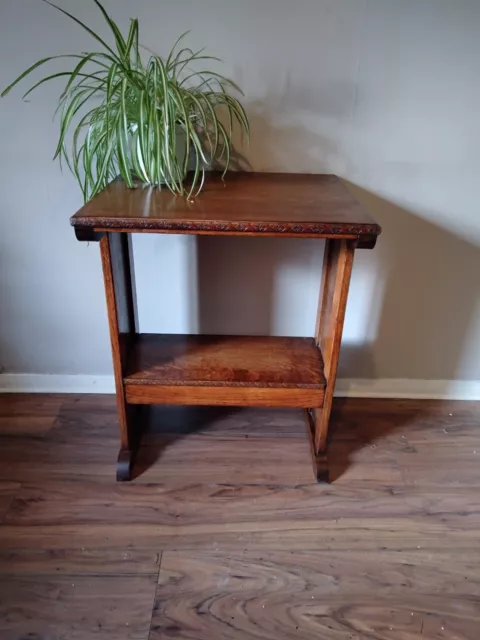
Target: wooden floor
<point>224,534</point>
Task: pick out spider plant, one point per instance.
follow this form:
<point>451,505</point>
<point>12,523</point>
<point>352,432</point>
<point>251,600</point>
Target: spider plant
<point>142,119</point>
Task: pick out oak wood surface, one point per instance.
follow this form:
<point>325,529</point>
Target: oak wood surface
<point>337,270</point>
<point>225,361</point>
<point>117,276</point>
<point>114,254</point>
<point>147,394</point>
<point>246,203</point>
<point>226,534</point>
<point>224,370</point>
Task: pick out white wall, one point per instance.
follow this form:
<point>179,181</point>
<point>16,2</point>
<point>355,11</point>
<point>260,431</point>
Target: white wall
<point>383,92</point>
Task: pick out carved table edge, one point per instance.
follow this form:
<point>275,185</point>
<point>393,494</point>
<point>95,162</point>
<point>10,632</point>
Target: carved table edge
<point>89,230</point>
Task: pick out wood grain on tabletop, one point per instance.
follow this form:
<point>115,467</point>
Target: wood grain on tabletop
<point>243,203</point>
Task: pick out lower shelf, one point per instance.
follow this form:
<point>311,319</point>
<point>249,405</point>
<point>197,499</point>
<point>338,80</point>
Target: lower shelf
<point>224,370</point>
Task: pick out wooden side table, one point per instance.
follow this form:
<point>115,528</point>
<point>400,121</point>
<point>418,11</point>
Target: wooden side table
<point>228,370</point>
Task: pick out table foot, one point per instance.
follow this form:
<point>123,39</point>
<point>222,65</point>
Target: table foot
<point>137,420</point>
<point>320,467</point>
<point>124,465</point>
<point>319,459</point>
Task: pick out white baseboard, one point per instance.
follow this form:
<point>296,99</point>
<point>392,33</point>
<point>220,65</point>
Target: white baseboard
<point>409,388</point>
<point>351,388</point>
<point>44,383</point>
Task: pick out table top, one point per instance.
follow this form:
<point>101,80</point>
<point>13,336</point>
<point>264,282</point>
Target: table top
<point>242,204</point>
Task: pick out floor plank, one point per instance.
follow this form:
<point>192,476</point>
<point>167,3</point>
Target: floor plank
<point>90,560</point>
<point>31,459</point>
<point>198,504</point>
<point>380,533</point>
<point>82,418</point>
<point>313,595</point>
<point>76,607</point>
<point>34,414</point>
<point>7,493</point>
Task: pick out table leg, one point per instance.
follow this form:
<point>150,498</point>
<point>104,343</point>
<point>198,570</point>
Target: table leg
<point>337,269</point>
<point>117,275</point>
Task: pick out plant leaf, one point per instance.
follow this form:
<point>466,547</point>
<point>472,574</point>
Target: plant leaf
<point>84,26</point>
<point>120,42</point>
<point>26,72</point>
<point>172,50</point>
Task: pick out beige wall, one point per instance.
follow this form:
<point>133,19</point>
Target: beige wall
<point>385,93</point>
